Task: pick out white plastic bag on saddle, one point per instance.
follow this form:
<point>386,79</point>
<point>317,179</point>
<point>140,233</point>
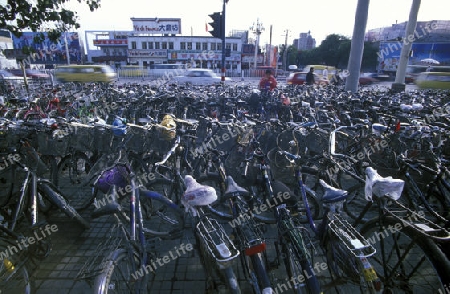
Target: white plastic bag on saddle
<point>197,194</point>
<point>379,186</point>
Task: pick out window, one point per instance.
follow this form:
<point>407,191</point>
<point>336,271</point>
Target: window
<point>204,46</point>
<point>219,46</point>
<point>213,46</point>
<point>170,45</point>
<point>150,45</point>
<point>157,44</point>
<point>189,46</point>
<point>133,45</point>
<point>144,45</point>
<point>198,46</point>
<point>164,45</point>
<point>235,47</point>
<point>228,46</point>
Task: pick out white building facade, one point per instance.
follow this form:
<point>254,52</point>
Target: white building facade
<point>159,40</point>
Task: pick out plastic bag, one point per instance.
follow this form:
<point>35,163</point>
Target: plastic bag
<point>197,194</point>
<point>379,186</point>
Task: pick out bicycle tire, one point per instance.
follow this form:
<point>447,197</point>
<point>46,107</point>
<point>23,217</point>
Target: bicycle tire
<point>73,169</point>
<point>20,281</point>
<point>434,266</point>
<point>296,268</point>
<point>260,271</point>
<point>108,282</point>
<point>60,202</point>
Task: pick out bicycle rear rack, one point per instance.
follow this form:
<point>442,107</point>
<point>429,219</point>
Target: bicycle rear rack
<point>249,234</point>
<point>217,243</point>
<point>417,221</point>
<point>355,243</point>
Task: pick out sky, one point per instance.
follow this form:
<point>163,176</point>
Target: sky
<point>320,17</point>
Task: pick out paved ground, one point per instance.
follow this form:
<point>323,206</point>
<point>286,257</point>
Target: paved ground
<point>72,247</point>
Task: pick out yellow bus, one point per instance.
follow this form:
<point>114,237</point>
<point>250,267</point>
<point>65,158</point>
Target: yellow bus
<point>85,73</point>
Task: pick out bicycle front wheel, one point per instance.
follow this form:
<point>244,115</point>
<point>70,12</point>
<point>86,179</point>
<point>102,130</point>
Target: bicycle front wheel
<point>406,262</point>
<point>14,276</point>
<point>73,169</point>
<point>121,274</point>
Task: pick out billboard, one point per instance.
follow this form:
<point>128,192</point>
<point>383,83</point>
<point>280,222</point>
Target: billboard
<point>389,54</point>
<point>48,52</point>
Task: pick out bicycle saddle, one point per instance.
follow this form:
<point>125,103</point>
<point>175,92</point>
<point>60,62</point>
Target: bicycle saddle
<point>233,189</point>
<point>197,194</point>
<point>332,194</point>
<point>380,186</point>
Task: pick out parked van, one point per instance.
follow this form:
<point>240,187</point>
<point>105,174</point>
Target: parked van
<point>318,69</point>
<point>85,73</point>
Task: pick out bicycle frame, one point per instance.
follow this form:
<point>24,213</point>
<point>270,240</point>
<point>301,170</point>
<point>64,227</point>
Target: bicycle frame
<point>335,229</point>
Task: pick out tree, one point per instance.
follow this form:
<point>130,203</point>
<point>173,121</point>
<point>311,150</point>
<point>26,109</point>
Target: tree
<point>329,49</point>
<point>357,46</point>
<point>36,15</point>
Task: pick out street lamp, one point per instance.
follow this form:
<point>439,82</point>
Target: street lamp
<point>257,30</point>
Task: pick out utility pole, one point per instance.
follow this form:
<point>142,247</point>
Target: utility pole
<point>285,50</point>
<point>269,58</point>
<point>257,30</point>
<point>222,28</point>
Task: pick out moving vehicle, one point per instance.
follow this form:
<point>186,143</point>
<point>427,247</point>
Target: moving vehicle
<point>31,73</point>
<point>168,69</point>
<point>8,81</point>
<point>366,80</point>
<point>413,71</point>
<point>433,80</point>
<point>199,76</point>
<point>299,78</point>
<point>85,73</point>
<point>318,69</point>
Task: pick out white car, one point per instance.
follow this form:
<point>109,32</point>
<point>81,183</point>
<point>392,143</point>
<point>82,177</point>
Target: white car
<point>199,76</point>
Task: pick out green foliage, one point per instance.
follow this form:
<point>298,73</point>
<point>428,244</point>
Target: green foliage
<point>335,51</point>
<point>17,16</point>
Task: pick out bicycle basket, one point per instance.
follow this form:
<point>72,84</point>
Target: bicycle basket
<point>81,137</point>
<point>316,141</point>
<point>235,164</point>
<point>139,140</point>
<point>118,176</point>
<point>160,140</point>
<point>50,145</point>
<point>103,138</point>
<point>11,136</point>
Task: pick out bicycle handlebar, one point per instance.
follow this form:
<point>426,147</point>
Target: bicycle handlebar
<point>332,148</point>
<point>169,153</point>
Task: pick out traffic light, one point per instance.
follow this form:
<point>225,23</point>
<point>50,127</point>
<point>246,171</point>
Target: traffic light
<point>216,25</point>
